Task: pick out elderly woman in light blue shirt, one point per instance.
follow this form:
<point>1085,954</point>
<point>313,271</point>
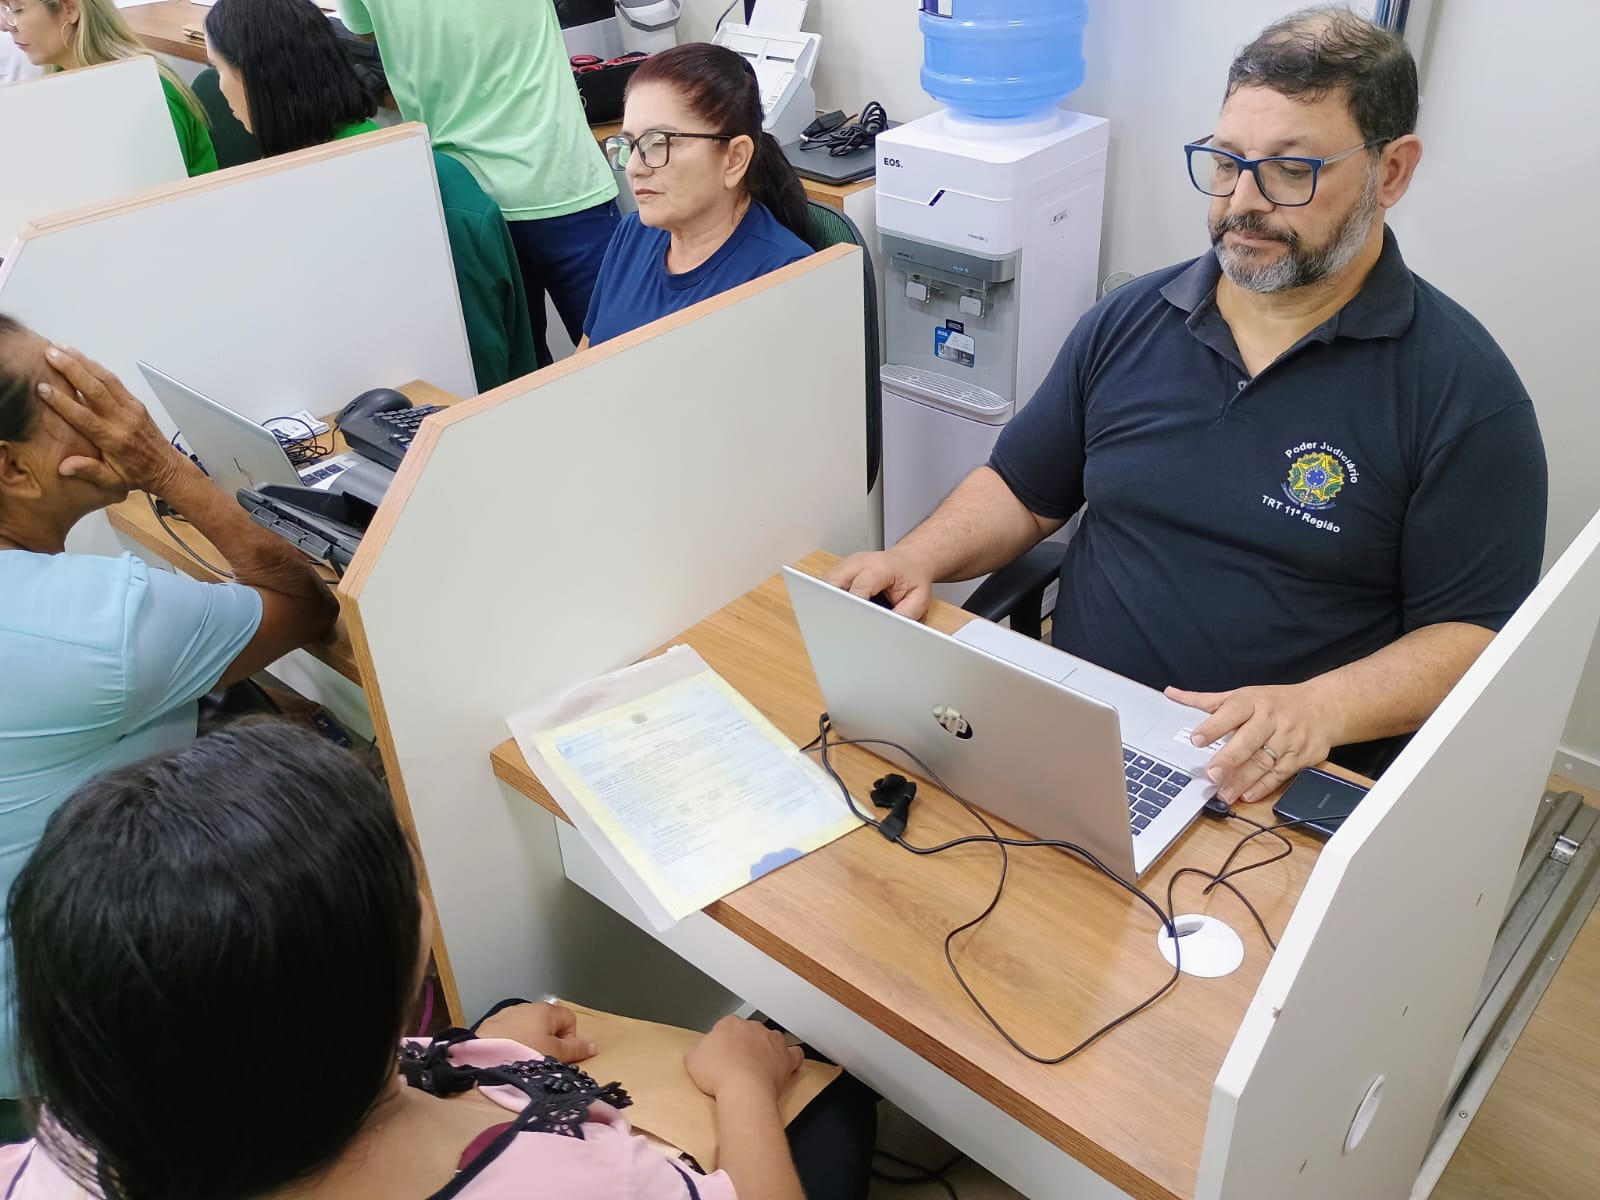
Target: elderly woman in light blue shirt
<point>106,658</point>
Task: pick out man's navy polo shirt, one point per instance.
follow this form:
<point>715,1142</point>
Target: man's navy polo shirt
<point>1384,474</point>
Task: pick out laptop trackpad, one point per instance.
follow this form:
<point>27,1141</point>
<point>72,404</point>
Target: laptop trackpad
<point>1136,712</point>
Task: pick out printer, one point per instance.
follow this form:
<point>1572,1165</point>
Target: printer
<point>784,61</point>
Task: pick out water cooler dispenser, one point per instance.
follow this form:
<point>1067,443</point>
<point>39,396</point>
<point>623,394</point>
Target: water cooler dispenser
<point>989,211</point>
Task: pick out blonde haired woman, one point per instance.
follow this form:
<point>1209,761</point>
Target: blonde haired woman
<point>65,34</point>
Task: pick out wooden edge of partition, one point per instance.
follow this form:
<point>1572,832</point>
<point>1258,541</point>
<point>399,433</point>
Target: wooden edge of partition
<point>149,197</point>
<point>422,447</point>
<point>402,803</point>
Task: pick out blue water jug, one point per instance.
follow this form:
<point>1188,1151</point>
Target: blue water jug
<point>1001,60</point>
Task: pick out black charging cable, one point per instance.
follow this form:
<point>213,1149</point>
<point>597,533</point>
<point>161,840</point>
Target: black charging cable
<point>161,517</point>
<point>860,134</point>
<point>1225,874</point>
<point>1222,877</point>
<point>1213,882</point>
<point>916,1174</point>
<point>825,741</point>
<point>302,449</point>
<point>895,793</point>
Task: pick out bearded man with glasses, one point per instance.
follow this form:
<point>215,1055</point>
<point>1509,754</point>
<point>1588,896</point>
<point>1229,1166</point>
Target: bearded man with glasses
<point>1311,486</point>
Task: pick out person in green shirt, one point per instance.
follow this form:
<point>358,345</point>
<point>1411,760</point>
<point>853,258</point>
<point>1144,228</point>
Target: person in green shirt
<point>491,80</point>
<point>67,34</point>
<point>286,77</point>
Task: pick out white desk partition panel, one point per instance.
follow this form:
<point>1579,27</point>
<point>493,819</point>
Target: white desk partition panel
<point>561,527</point>
<point>1377,973</point>
<point>81,137</point>
<point>299,282</point>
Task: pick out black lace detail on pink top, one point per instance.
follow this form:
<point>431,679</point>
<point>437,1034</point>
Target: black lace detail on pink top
<point>559,1094</point>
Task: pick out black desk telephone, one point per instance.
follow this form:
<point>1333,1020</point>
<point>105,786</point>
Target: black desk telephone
<point>328,524</point>
<point>380,425</point>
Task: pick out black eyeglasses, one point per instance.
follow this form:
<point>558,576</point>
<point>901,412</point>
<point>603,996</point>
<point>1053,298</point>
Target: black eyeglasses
<point>654,147</point>
<point>1286,181</point>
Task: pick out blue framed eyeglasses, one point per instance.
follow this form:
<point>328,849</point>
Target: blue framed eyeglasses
<point>1287,181</point>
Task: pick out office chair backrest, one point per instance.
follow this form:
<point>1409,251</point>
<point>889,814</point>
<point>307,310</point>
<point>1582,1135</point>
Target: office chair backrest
<point>830,227</point>
<point>233,142</point>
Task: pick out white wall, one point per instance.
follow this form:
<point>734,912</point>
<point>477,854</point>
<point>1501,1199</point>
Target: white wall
<point>1156,70</point>
<point>1514,240</point>
<point>1502,92</point>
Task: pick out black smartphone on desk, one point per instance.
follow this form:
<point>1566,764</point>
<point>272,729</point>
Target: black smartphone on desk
<point>1320,802</point>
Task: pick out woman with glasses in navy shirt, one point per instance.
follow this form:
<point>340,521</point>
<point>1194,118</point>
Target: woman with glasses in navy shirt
<point>719,204</point>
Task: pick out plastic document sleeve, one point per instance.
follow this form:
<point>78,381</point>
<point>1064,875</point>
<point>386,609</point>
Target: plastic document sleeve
<point>681,787</point>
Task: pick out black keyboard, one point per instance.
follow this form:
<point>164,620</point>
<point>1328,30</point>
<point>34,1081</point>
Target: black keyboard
<point>385,437</point>
<point>402,424</point>
<point>1152,785</point>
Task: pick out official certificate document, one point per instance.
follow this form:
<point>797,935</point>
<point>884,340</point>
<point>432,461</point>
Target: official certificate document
<point>681,786</point>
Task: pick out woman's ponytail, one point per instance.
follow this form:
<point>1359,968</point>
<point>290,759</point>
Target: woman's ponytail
<point>772,182</point>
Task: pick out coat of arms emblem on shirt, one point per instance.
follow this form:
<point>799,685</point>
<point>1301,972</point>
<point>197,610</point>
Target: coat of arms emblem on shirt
<point>1315,480</point>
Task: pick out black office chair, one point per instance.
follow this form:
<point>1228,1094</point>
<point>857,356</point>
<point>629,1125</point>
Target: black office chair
<point>1016,591</point>
<point>830,227</point>
<point>234,143</point>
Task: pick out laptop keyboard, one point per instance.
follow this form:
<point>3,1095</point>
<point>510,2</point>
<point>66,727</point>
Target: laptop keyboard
<point>315,475</point>
<point>1152,785</point>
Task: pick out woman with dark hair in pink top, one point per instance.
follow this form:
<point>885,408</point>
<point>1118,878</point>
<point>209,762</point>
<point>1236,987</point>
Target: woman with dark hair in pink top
<point>217,952</point>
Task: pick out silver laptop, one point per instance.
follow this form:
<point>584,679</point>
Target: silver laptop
<point>1057,746</point>
<point>238,453</point>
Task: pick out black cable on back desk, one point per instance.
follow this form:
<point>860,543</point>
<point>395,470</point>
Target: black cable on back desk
<point>1005,844</point>
<point>172,533</point>
<point>302,449</point>
<point>845,139</point>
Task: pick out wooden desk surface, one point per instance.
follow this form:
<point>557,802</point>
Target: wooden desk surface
<point>134,519</point>
<point>161,27</point>
<point>1065,952</point>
